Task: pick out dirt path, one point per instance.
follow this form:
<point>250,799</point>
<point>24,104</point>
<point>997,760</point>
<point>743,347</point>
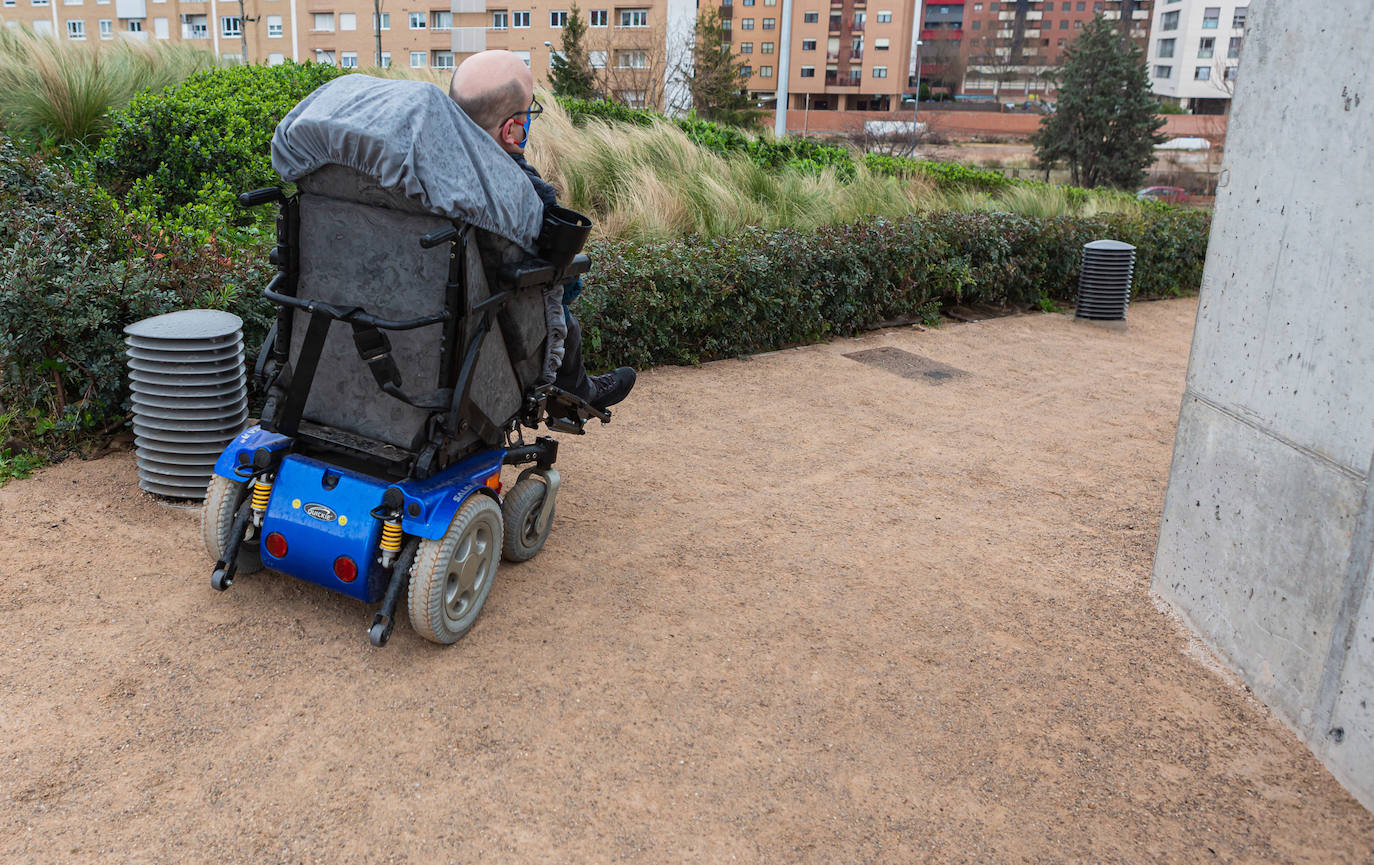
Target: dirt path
<point>796,609</point>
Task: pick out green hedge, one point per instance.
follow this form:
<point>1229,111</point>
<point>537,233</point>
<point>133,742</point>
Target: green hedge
<point>689,301</point>
<point>76,272</point>
<point>181,155</point>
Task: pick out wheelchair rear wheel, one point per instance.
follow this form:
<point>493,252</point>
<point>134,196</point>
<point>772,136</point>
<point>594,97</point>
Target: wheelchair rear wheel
<point>223,498</point>
<point>453,575</point>
<point>521,511</point>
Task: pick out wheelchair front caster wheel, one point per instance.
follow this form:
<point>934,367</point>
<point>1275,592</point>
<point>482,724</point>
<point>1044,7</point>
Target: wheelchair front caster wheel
<point>521,511</point>
<point>379,633</point>
<point>220,580</point>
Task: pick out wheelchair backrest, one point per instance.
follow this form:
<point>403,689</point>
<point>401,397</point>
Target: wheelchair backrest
<point>359,247</point>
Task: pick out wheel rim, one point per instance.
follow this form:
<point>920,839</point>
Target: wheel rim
<point>529,531</point>
<point>469,572</point>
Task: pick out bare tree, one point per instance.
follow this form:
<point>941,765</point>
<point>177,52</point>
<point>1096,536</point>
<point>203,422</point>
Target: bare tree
<point>632,64</point>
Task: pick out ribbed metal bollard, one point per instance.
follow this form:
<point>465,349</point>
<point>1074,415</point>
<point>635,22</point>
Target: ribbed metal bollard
<point>190,396</point>
<point>1104,286</point>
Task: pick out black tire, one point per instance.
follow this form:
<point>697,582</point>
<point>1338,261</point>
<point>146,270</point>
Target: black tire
<point>521,511</point>
<point>453,575</point>
<point>223,498</point>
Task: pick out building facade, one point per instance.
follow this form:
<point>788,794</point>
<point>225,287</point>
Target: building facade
<point>1194,52</point>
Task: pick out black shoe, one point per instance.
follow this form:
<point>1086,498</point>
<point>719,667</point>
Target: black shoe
<point>611,388</point>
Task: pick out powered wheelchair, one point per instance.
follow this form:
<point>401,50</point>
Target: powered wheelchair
<point>410,351</point>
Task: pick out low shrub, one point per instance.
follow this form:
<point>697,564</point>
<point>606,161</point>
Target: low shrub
<point>698,299</point>
<point>76,273</point>
<point>181,156</point>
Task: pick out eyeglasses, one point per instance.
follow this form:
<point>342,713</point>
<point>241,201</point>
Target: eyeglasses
<point>532,112</point>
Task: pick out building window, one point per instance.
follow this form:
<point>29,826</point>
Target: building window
<point>600,17</point>
<point>520,20</point>
<point>808,72</point>
<point>558,18</point>
<point>557,55</point>
<point>634,17</point>
<point>596,59</point>
<point>325,57</point>
<point>631,60</point>
<point>770,23</point>
<point>765,71</point>
<point>523,55</point>
<point>1202,73</point>
<point>1230,73</point>
<point>746,2</point>
<point>39,3</point>
<point>1205,46</point>
<point>348,60</point>
<point>770,2</point>
<point>1211,17</point>
<point>884,16</point>
<point>1166,48</point>
<point>882,43</point>
<point>1078,25</point>
<point>348,21</point>
<point>808,44</point>
<point>386,59</point>
<point>500,20</point>
<point>198,27</point>
<point>276,58</point>
<point>273,26</point>
<point>746,24</point>
<point>1064,24</point>
<point>879,71</point>
<point>811,17</point>
<point>106,28</point>
<point>322,22</point>
<point>417,60</point>
<point>437,21</point>
<point>746,48</point>
<point>746,70</point>
<point>230,27</point>
<point>76,28</point>
<point>443,60</point>
<point>632,98</point>
<point>1233,47</point>
<point>766,48</point>
<point>383,24</point>
<point>1238,19</point>
<point>1168,21</point>
<point>1164,71</point>
<point>417,20</point>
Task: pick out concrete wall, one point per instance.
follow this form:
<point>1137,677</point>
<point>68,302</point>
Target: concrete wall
<point>1268,531</point>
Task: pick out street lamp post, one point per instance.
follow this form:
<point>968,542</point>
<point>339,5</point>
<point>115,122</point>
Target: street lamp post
<point>916,104</point>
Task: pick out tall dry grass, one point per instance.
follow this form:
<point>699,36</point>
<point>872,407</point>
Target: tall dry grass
<point>63,92</point>
<point>652,182</point>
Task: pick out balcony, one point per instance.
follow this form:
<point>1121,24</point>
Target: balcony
<point>933,35</point>
<point>853,78</point>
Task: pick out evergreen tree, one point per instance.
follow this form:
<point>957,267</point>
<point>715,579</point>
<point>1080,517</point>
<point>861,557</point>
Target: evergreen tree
<point>1107,123</point>
<point>719,90</point>
<point>572,71</point>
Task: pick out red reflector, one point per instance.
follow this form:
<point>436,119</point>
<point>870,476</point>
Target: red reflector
<point>345,569</point>
<point>276,545</point>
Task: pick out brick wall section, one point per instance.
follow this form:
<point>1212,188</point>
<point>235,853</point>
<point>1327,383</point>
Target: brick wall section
<point>967,124</point>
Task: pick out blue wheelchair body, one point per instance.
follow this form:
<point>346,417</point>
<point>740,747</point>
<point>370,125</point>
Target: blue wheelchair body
<point>402,368</point>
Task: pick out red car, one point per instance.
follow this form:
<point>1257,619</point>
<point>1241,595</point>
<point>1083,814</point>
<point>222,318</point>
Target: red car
<point>1171,194</point>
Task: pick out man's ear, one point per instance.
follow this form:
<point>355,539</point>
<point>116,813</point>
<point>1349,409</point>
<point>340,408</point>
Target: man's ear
<point>508,136</point>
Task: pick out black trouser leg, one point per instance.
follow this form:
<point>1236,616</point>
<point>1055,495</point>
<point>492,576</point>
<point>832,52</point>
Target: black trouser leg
<point>572,375</point>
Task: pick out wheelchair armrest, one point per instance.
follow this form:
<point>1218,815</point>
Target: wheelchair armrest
<point>255,197</point>
<point>580,264</point>
<point>533,272</point>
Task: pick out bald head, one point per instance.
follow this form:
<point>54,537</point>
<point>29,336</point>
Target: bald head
<point>490,86</point>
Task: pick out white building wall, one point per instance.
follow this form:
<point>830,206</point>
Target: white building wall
<point>1182,81</point>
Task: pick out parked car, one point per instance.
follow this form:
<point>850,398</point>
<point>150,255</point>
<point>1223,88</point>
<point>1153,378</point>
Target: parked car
<point>1171,194</point>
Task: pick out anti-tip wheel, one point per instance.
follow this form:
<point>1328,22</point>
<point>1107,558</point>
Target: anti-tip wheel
<point>379,633</point>
<point>219,580</point>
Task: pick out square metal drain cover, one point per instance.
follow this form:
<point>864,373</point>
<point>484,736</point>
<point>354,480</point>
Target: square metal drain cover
<point>908,365</point>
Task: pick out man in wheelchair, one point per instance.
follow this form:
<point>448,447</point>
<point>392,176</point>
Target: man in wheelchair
<point>421,327</point>
<point>496,90</point>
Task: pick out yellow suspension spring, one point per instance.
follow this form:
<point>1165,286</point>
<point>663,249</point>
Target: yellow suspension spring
<point>391,536</point>
<point>262,492</point>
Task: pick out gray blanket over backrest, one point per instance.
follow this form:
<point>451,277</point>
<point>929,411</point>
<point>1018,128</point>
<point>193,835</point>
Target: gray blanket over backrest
<point>411,137</point>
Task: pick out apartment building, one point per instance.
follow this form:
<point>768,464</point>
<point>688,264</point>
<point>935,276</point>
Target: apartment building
<point>846,55</point>
<point>1194,52</point>
<point>262,30</point>
<point>1011,45</point>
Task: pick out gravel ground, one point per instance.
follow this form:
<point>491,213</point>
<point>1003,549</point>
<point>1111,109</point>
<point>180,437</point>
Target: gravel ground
<point>799,608</point>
